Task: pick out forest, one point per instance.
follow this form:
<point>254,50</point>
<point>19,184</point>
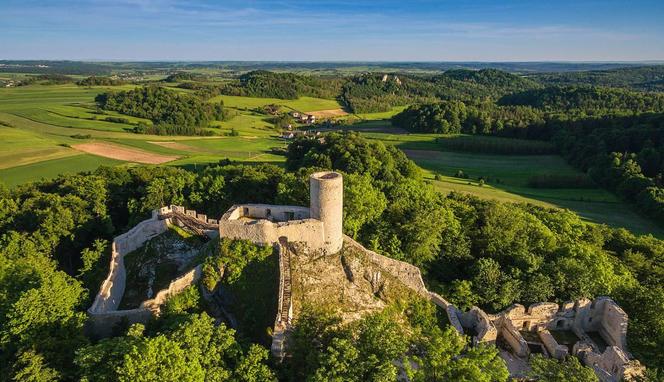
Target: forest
<point>261,83</point>
<point>647,78</point>
<point>54,252</point>
<point>171,113</point>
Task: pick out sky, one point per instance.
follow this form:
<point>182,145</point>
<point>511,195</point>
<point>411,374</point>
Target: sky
<point>333,30</point>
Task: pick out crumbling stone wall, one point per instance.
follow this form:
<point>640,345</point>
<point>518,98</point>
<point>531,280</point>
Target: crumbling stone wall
<point>266,232</point>
<point>602,315</point>
<point>103,314</point>
<point>112,288</point>
<point>555,350</point>
<point>408,274</point>
<point>537,315</point>
<point>176,286</point>
<point>319,227</point>
<point>513,338</point>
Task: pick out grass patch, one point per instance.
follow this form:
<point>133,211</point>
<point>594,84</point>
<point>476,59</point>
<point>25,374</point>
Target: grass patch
<point>52,168</point>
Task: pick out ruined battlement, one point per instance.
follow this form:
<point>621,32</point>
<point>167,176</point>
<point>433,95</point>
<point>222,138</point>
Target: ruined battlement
<point>320,226</point>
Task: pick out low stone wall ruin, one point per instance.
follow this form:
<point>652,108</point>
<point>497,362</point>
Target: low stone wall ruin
<point>267,232</point>
<point>104,314</point>
<point>555,350</point>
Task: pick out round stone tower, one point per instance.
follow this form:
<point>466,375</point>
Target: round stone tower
<point>327,193</point>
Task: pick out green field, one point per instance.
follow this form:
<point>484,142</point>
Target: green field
<point>50,168</point>
<point>303,104</point>
<point>506,179</point>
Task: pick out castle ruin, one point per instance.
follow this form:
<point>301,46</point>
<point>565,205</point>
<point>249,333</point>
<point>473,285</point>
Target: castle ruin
<point>595,331</point>
<point>320,226</point>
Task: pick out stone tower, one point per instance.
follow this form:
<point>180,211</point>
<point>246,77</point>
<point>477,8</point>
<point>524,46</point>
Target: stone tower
<point>327,191</point>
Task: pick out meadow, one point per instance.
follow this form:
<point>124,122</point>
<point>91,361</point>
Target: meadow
<point>39,125</point>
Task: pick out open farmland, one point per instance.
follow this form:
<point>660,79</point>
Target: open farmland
<point>109,150</point>
<point>41,123</point>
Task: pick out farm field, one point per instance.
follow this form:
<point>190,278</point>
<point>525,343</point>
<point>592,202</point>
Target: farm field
<point>48,169</point>
<point>41,127</point>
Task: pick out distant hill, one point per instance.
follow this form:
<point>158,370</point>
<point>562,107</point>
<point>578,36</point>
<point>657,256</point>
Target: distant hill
<point>649,78</point>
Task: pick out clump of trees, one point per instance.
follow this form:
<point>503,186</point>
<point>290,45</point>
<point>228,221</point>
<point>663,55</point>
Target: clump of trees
<point>324,349</point>
<point>170,112</point>
<point>100,81</point>
<point>184,76</point>
<point>265,84</point>
<point>453,117</point>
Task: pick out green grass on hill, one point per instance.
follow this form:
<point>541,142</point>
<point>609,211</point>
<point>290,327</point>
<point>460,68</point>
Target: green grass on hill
<point>52,168</point>
<point>19,147</point>
<point>506,179</point>
<point>303,104</point>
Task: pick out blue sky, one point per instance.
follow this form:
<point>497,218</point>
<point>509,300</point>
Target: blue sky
<point>338,30</point>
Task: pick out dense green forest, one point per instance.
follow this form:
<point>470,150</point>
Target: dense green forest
<point>171,113</point>
<point>54,253</point>
<point>266,84</point>
<point>648,78</point>
<point>588,100</point>
<point>373,93</point>
<point>100,81</point>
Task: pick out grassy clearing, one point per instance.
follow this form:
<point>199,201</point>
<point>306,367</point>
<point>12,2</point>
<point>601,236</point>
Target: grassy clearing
<point>386,115</point>
<point>506,179</point>
<point>52,168</point>
<point>303,104</point>
<point>19,147</point>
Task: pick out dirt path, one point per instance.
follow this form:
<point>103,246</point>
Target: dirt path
<point>110,150</point>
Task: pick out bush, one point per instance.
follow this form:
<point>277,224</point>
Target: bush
<point>117,120</point>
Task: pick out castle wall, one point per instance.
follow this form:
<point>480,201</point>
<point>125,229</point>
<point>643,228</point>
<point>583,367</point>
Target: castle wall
<point>112,288</point>
<point>268,233</point>
<point>267,211</point>
<point>103,314</point>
